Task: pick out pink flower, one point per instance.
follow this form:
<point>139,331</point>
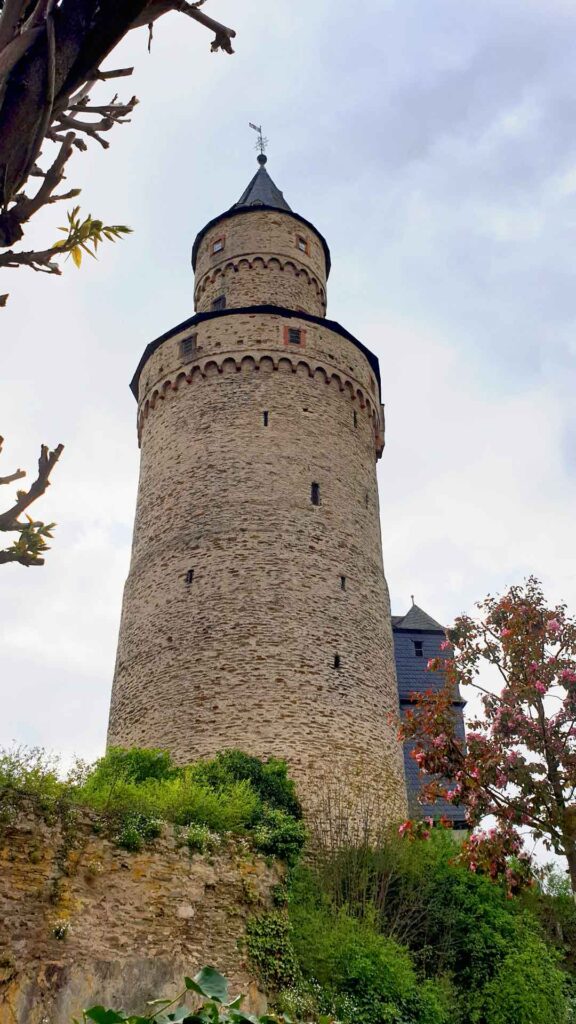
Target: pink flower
<point>473,866</point>
<point>425,834</point>
<point>540,687</point>
<point>554,625</point>
<point>404,828</point>
<point>505,632</point>
<point>445,645</point>
<point>431,664</point>
<point>567,676</point>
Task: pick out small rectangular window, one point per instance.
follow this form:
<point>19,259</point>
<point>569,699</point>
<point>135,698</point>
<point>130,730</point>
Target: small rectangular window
<point>315,494</point>
<point>265,417</point>
<point>418,648</point>
<point>219,303</point>
<point>294,336</point>
<point>336,661</point>
<point>188,348</point>
<point>218,245</point>
<point>189,577</point>
<point>302,244</point>
<point>342,583</point>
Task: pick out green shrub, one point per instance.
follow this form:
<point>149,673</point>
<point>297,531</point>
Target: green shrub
<point>528,988</point>
<point>279,835</point>
<point>136,830</point>
<point>200,839</point>
<point>269,779</point>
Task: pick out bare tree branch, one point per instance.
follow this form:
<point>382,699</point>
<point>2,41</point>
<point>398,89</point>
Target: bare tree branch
<point>50,57</point>
<point>46,463</point>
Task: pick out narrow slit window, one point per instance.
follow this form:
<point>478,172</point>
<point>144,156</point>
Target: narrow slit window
<point>219,303</point>
<point>188,348</point>
<point>336,661</point>
<point>355,419</point>
<point>418,648</point>
<point>265,417</point>
<point>342,583</point>
<point>189,577</point>
<point>315,494</point>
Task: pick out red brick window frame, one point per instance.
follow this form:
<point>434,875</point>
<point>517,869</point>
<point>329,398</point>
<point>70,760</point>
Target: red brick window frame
<point>294,337</point>
<point>217,245</point>
<point>302,244</point>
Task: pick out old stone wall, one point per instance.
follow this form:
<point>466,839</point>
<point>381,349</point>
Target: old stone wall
<point>261,261</point>
<point>83,922</point>
<point>253,617</point>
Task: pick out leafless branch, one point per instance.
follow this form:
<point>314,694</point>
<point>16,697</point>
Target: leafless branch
<point>46,463</point>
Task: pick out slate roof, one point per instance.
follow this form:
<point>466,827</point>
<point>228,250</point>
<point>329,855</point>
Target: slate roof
<point>417,619</point>
<point>419,630</point>
<point>262,192</point>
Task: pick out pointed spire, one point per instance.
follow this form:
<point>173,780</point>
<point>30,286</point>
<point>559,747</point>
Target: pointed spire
<point>262,191</point>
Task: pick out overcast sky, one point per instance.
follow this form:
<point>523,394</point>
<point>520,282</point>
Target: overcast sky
<point>433,143</point>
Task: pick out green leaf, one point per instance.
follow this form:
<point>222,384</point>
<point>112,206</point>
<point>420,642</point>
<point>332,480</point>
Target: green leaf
<point>210,983</point>
<point>101,1016</point>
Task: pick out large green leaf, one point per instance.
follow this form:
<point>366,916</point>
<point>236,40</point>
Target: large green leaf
<point>209,983</point>
<point>101,1016</point>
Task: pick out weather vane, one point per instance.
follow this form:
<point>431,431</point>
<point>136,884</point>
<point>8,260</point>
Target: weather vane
<point>261,142</point>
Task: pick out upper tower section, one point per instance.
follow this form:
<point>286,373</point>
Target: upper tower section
<point>259,252</point>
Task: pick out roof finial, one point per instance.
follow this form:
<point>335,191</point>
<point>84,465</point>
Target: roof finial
<point>412,596</point>
<point>260,144</point>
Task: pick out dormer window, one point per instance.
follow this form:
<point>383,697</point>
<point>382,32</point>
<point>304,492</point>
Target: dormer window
<point>188,348</point>
<point>217,245</point>
<point>219,303</point>
<point>302,243</point>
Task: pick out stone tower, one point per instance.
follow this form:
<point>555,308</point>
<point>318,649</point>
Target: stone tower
<point>256,612</point>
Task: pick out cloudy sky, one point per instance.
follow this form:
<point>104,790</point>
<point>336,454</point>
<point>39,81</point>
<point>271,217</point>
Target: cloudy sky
<point>433,142</point>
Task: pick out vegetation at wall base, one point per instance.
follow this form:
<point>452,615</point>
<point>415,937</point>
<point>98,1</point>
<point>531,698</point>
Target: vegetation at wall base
<point>403,934</point>
<point>135,792</point>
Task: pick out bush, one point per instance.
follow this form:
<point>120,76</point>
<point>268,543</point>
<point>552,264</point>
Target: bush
<point>528,987</point>
<point>135,788</point>
<point>279,835</point>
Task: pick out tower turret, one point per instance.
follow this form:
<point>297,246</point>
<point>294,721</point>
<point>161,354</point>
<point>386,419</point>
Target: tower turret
<point>256,612</point>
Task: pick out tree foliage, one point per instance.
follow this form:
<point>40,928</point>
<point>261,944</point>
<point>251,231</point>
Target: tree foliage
<point>519,760</point>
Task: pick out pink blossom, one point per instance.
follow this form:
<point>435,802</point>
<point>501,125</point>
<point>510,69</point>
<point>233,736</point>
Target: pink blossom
<point>554,625</point>
<point>404,828</point>
<point>567,676</point>
<point>431,664</point>
<point>425,834</point>
<point>445,645</point>
<point>473,866</point>
<point>505,632</point>
<point>540,687</point>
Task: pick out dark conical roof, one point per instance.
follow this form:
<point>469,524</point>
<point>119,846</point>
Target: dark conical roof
<point>264,194</point>
<point>262,191</point>
<point>417,619</point>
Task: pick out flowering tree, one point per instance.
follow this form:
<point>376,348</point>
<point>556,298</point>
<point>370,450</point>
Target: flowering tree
<point>519,760</point>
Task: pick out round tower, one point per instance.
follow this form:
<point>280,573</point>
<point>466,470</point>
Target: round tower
<point>256,612</point>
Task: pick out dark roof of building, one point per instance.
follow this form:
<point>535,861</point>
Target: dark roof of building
<point>198,318</point>
<point>261,194</point>
<point>418,621</point>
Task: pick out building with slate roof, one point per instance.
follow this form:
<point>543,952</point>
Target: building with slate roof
<point>417,638</point>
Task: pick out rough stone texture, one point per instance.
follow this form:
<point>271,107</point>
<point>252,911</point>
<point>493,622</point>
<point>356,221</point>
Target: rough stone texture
<point>244,654</point>
<point>261,263</point>
<point>134,924</point>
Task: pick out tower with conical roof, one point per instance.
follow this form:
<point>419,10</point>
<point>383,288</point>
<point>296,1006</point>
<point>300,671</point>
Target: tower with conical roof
<point>256,612</point>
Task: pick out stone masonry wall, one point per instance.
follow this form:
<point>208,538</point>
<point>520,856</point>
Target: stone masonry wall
<point>261,262</point>
<point>133,924</point>
<point>242,593</point>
